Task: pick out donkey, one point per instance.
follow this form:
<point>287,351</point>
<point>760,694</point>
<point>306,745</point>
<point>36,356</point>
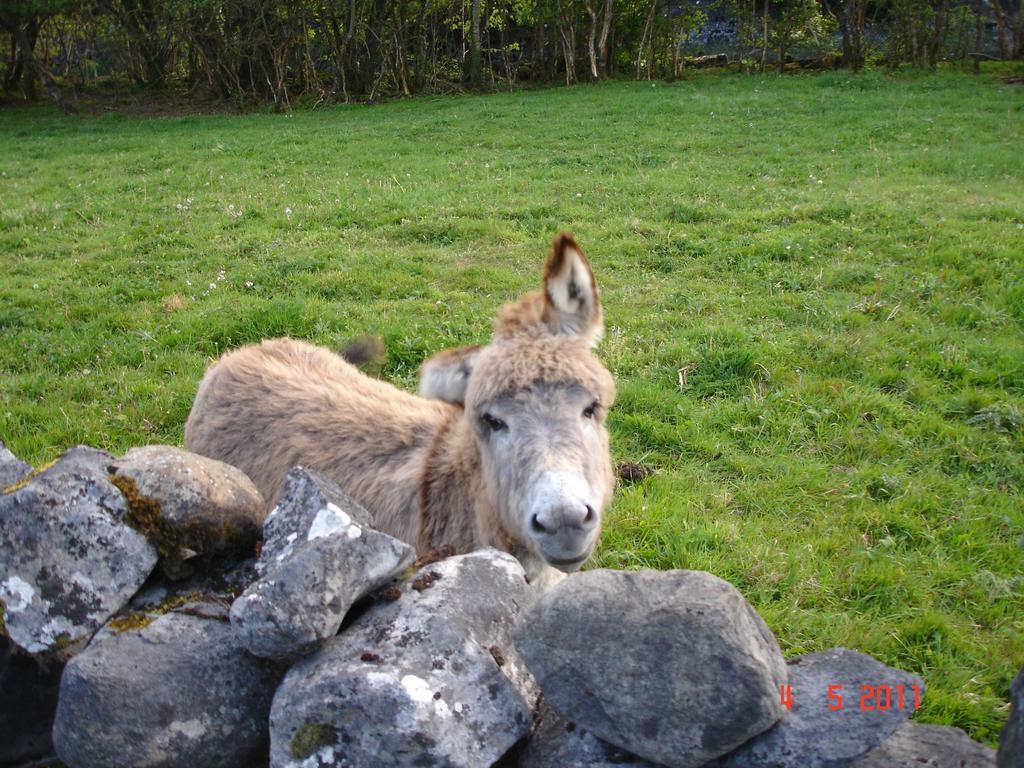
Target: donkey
<point>523,465</point>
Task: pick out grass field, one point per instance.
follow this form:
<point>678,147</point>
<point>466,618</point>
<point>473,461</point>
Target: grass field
<point>813,285</point>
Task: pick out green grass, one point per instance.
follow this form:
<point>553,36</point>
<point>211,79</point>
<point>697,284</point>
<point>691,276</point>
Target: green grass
<point>814,291</point>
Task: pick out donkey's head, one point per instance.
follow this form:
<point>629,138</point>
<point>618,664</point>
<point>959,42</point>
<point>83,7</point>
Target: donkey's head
<point>537,400</point>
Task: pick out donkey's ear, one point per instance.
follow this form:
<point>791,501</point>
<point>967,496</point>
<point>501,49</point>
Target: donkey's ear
<point>572,301</point>
<point>445,375</point>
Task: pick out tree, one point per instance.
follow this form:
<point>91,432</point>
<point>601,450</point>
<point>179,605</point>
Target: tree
<point>598,48</point>
<point>150,28</point>
<point>1009,27</point>
<point>795,20</point>
<point>23,20</point>
<point>474,64</point>
<point>850,17</point>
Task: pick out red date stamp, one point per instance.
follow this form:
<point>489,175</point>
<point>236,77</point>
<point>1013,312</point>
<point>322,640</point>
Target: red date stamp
<point>877,698</point>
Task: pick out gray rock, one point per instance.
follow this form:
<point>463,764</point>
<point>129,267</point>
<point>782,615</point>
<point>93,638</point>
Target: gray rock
<point>812,734</point>
<point>12,469</point>
<point>928,746</point>
<point>178,692</point>
<point>319,556</point>
<point>159,596</point>
<point>67,559</point>
<point>188,504</point>
<point>675,667</point>
<point>557,743</point>
<point>303,497</point>
<point>28,700</point>
<point>425,677</point>
<point>1011,740</point>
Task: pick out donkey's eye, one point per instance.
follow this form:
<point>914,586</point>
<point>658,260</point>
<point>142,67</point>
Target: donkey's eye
<point>590,411</point>
<point>493,423</point>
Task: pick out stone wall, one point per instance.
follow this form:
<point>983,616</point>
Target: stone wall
<point>152,616</point>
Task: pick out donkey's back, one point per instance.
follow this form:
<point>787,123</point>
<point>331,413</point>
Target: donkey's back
<point>269,407</point>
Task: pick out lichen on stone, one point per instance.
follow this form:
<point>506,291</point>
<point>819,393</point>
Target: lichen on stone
<point>311,738</point>
<point>130,622</point>
<point>175,543</point>
<point>135,620</point>
<point>17,486</point>
<point>145,516</point>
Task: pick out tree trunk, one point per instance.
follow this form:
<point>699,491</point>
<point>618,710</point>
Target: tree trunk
<point>13,74</point>
<point>25,35</point>
<point>567,35</point>
<point>648,23</point>
<point>611,53</point>
<point>764,38</point>
<point>652,52</point>
<point>978,30</point>
<point>935,44</point>
<point>592,39</point>
<point>537,53</point>
<point>915,54</point>
<point>1018,35</point>
<point>474,65</point>
<point>1004,45</point>
<point>860,12</point>
<point>554,45</point>
<point>602,41</point>
<point>842,16</point>
<point>505,59</point>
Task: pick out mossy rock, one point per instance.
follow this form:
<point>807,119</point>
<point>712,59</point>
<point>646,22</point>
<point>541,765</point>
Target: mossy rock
<point>131,621</point>
<point>311,738</point>
<point>174,544</point>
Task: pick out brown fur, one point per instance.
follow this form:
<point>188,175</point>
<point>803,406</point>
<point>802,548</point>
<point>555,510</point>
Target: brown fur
<point>430,472</point>
<point>366,353</point>
<point>445,375</point>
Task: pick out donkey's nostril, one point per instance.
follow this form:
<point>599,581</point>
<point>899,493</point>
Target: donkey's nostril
<point>591,515</point>
<point>537,526</point>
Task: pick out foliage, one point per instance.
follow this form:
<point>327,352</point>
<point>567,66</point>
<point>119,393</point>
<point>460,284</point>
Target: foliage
<point>798,21</point>
<point>281,51</point>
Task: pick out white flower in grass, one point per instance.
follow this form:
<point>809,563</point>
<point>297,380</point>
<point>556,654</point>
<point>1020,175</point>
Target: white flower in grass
<point>287,211</point>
